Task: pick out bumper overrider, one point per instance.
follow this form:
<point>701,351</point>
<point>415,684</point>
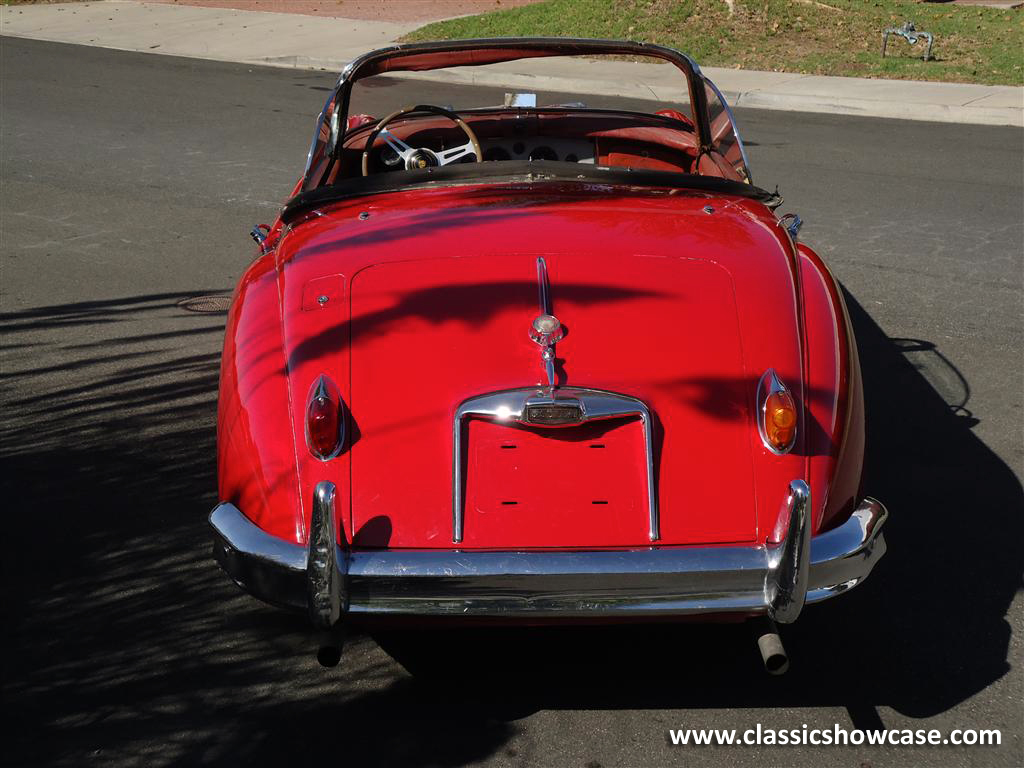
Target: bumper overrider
<point>329,580</point>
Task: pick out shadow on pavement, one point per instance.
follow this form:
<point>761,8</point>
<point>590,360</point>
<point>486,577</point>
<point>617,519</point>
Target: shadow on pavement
<point>126,644</point>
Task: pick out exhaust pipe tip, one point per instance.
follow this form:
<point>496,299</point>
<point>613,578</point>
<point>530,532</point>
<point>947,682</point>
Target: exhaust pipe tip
<point>776,662</point>
<point>773,654</point>
<point>328,655</point>
<point>329,646</point>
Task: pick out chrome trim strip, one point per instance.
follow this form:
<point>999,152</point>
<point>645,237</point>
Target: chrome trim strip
<point>543,286</point>
<point>326,565</point>
<point>511,406</point>
<point>662,581</point>
<point>785,586</point>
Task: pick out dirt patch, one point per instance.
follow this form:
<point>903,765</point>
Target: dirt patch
<point>369,10</point>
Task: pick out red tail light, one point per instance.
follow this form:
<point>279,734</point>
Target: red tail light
<point>776,414</point>
<point>325,420</point>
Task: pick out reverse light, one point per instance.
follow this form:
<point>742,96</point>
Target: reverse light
<point>325,420</point>
<point>776,414</point>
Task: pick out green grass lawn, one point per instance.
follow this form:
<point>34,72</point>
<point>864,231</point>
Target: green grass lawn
<point>833,37</point>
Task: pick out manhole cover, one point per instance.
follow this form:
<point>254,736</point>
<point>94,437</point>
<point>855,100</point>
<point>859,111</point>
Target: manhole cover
<point>206,303</point>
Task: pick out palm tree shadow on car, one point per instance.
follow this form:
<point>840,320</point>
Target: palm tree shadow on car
<point>924,633</point>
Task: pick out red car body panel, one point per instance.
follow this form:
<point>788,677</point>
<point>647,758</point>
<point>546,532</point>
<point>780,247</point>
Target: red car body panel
<point>428,301</point>
<point>255,464</point>
<point>835,406</point>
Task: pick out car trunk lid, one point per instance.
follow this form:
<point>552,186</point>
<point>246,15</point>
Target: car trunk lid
<point>428,334</point>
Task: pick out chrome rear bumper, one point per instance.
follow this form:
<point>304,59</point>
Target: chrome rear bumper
<point>654,581</point>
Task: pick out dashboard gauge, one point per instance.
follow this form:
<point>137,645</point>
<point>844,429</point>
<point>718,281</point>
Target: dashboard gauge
<point>543,153</point>
<point>389,157</point>
<point>496,153</point>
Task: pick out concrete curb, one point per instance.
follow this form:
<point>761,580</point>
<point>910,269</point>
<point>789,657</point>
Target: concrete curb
<point>933,113</point>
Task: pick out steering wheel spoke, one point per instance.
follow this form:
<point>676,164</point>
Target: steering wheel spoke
<point>453,155</point>
<point>400,147</point>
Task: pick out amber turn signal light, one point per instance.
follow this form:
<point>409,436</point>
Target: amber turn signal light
<point>780,420</point>
<point>325,423</point>
<point>777,414</point>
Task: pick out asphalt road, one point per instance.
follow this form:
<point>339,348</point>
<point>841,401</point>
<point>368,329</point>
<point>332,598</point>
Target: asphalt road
<point>129,183</point>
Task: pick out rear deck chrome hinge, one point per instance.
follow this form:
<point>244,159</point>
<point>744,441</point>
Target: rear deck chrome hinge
<point>792,223</point>
<point>259,234</point>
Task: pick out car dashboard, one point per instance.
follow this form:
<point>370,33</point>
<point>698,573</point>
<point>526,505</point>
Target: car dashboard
<point>661,141</point>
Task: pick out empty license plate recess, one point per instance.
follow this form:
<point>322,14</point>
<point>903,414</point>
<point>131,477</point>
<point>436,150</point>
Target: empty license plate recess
<point>581,486</point>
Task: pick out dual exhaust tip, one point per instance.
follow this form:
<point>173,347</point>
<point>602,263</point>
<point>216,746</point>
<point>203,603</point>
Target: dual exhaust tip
<point>773,653</point>
<point>327,582</point>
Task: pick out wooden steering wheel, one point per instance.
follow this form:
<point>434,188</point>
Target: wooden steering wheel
<point>414,158</point>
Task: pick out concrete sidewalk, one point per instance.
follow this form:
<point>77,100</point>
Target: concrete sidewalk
<point>307,42</point>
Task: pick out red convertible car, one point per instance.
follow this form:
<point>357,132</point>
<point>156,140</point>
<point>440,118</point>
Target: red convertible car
<point>539,363</point>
